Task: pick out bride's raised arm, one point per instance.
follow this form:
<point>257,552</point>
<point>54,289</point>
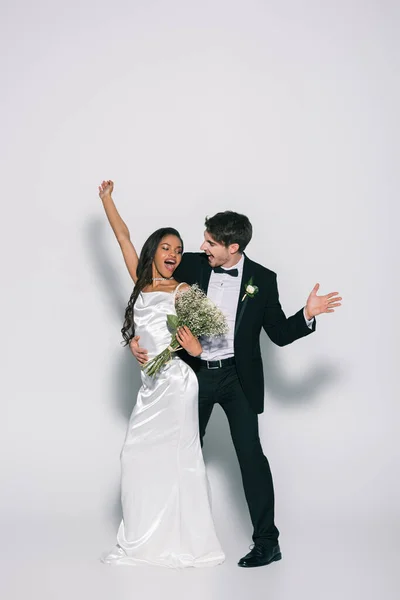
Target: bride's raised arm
<point>119,228</point>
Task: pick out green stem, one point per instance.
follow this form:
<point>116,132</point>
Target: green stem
<point>152,367</point>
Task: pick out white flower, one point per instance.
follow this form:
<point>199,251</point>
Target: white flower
<point>251,290</point>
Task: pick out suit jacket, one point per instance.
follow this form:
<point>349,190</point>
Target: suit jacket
<point>253,314</point>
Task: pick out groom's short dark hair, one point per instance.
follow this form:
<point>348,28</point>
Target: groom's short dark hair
<point>230,228</point>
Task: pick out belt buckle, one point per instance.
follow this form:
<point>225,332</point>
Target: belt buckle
<point>211,368</point>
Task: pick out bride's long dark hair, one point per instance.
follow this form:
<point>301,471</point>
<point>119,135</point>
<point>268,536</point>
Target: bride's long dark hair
<point>144,274</point>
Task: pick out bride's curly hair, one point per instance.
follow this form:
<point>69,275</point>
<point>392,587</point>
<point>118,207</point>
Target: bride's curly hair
<point>144,274</point>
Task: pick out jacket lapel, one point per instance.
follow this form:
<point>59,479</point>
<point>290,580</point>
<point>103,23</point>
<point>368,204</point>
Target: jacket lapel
<point>242,304</point>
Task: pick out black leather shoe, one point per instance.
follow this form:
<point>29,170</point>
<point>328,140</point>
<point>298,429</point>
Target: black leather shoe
<point>260,556</point>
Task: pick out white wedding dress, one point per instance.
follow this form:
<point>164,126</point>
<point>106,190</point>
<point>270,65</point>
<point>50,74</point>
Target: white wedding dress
<point>166,509</point>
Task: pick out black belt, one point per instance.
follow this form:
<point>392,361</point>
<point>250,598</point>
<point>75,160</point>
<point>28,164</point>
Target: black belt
<point>217,364</point>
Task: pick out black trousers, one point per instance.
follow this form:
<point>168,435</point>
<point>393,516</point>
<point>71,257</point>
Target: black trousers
<point>222,386</point>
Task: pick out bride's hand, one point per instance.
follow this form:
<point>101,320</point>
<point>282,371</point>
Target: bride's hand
<point>188,341</point>
<point>106,188</point>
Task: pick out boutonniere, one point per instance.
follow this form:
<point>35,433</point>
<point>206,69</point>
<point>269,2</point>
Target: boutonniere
<point>251,289</point>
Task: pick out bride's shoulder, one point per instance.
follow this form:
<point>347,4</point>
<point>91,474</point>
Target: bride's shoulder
<point>181,287</point>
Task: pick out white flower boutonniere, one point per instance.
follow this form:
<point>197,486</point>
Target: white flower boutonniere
<point>251,289</point>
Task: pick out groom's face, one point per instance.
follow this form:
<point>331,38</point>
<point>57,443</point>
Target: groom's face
<point>218,254</point>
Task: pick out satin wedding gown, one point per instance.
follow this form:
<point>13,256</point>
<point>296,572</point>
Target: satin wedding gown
<point>166,510</point>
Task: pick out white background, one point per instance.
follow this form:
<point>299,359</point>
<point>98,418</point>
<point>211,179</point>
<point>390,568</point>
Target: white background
<point>286,111</point>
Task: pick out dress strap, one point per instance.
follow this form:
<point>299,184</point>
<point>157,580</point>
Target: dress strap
<point>177,288</point>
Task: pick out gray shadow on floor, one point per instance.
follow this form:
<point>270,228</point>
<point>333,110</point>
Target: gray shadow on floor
<point>125,377</point>
<point>289,392</point>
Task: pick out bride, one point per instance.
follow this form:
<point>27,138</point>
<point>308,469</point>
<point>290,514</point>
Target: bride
<point>166,511</point>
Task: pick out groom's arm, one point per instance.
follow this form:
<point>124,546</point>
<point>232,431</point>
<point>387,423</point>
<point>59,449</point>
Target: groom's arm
<point>280,329</point>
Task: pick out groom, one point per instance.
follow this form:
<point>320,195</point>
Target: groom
<point>230,370</point>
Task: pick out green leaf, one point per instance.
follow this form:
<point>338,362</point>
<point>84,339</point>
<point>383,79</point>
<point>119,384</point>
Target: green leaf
<point>172,321</point>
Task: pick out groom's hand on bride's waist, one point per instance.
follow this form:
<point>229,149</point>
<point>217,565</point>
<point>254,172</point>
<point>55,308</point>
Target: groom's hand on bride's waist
<point>139,353</point>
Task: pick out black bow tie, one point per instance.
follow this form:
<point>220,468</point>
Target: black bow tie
<point>233,272</point>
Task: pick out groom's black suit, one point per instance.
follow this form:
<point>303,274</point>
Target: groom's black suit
<point>239,388</point>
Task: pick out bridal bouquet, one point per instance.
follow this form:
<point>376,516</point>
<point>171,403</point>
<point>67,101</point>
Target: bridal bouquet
<point>195,311</point>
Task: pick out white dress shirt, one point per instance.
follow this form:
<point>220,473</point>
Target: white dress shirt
<point>224,291</point>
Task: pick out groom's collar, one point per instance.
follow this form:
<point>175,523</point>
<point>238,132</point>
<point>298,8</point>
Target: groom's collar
<point>239,265</point>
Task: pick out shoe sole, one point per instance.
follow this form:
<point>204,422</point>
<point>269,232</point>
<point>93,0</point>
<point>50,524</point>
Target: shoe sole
<point>273,559</point>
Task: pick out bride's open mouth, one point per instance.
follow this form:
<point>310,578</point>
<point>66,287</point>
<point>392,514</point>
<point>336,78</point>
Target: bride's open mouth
<point>170,264</point>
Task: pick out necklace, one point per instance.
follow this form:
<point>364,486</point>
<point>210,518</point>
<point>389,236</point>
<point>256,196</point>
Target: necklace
<point>161,278</point>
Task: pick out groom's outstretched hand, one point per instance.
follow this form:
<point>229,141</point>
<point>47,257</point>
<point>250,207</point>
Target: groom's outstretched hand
<point>316,305</point>
<point>139,353</point>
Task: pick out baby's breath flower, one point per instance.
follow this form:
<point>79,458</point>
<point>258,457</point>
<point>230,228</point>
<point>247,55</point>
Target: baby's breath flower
<point>195,311</point>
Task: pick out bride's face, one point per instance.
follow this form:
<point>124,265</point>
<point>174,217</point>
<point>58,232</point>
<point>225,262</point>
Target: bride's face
<point>168,256</point>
